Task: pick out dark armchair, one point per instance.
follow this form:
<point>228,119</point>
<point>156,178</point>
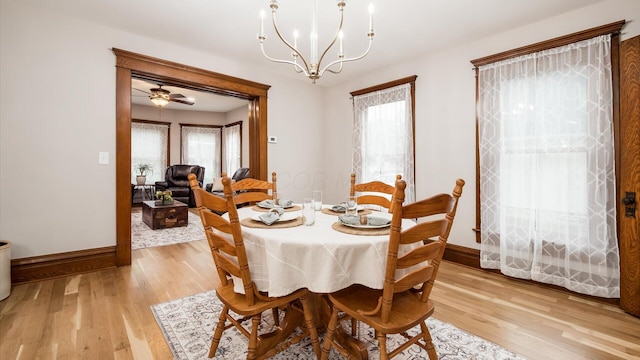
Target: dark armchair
<point>176,181</point>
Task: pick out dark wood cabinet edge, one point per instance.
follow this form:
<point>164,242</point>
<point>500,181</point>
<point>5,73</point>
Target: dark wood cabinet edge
<point>37,268</point>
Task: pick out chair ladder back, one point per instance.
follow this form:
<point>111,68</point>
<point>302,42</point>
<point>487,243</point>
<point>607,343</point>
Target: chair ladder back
<point>369,188</point>
<point>250,190</point>
<point>229,256</point>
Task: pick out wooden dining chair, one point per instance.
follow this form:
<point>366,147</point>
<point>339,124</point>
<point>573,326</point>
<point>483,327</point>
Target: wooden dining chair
<point>374,192</point>
<point>403,302</point>
<point>230,258</point>
<point>251,191</point>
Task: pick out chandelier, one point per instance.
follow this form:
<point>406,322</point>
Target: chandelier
<point>311,67</point>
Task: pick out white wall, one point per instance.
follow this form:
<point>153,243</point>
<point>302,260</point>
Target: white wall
<point>57,111</point>
<point>445,102</point>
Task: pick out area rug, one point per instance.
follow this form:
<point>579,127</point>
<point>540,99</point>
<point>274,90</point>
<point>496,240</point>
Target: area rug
<point>143,237</point>
<point>188,323</point>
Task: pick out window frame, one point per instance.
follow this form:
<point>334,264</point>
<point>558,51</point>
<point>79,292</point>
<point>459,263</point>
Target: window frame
<point>168,124</point>
<point>612,28</point>
<point>182,125</point>
<point>411,80</point>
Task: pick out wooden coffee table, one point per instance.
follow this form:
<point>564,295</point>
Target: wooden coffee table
<point>165,216</point>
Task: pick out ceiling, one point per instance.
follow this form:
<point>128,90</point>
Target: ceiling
<point>403,28</point>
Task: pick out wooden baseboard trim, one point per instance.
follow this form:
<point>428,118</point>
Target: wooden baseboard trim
<point>50,266</point>
<point>462,255</point>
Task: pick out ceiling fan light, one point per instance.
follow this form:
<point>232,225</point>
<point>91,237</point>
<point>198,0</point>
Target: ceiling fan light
<point>159,100</point>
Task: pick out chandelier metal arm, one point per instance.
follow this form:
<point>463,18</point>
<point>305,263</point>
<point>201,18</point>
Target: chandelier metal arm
<point>304,68</point>
<point>342,61</point>
<point>299,68</point>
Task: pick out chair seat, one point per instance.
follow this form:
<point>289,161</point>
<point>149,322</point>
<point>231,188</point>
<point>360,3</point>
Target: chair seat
<point>407,310</point>
<point>238,302</point>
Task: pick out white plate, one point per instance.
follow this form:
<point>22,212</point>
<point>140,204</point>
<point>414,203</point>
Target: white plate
<point>283,218</point>
<point>366,226</point>
<point>271,207</point>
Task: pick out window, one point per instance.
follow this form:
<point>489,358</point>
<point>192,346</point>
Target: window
<point>201,145</point>
<point>149,145</point>
<point>232,153</point>
<point>383,137</point>
<point>547,166</point>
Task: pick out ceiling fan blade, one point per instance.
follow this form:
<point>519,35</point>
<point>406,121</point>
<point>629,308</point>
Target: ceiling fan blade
<point>181,101</point>
<point>177,96</point>
<point>146,92</point>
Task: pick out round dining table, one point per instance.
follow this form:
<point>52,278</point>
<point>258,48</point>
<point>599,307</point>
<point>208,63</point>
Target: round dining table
<point>317,257</point>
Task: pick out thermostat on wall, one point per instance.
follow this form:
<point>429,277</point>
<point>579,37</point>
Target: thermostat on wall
<point>273,139</point>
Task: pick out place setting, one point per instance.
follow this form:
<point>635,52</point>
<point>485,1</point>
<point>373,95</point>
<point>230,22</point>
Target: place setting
<point>354,219</point>
<point>276,213</point>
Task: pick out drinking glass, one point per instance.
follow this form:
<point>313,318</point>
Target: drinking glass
<point>352,206</point>
<point>308,211</point>
<point>317,200</point>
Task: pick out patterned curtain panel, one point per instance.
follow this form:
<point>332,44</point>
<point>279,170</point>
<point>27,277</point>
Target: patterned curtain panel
<point>201,146</point>
<point>547,168</point>
<point>149,146</point>
<point>232,150</point>
<point>383,137</point>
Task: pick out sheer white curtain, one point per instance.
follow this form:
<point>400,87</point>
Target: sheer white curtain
<point>149,146</point>
<point>201,146</point>
<point>383,137</point>
<point>547,174</point>
<point>232,148</point>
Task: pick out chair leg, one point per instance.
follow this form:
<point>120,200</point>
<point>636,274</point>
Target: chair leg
<point>311,326</point>
<point>276,316</point>
<point>354,327</point>
<point>431,350</point>
<point>382,343</point>
<point>218,332</point>
<point>252,352</point>
<point>328,337</point>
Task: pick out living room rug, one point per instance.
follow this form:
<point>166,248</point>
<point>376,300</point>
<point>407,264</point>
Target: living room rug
<point>142,236</point>
<point>188,323</point>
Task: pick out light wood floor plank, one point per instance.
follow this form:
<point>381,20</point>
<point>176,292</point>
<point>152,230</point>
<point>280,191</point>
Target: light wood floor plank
<point>106,314</point>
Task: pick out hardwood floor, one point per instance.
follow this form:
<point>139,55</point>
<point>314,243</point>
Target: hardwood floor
<point>106,314</point>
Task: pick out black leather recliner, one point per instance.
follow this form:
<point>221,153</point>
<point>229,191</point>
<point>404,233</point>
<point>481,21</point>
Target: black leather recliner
<point>176,181</point>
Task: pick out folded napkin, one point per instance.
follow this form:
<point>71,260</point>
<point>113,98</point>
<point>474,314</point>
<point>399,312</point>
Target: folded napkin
<point>339,208</point>
<point>349,219</point>
<point>377,221</point>
<point>269,203</point>
<point>285,203</point>
<point>266,203</point>
<point>270,217</point>
<point>364,220</point>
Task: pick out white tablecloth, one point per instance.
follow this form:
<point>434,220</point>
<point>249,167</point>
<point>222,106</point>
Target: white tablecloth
<point>315,257</point>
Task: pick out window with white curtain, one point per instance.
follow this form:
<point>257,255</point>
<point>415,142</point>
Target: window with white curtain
<point>232,151</point>
<point>201,145</point>
<point>149,145</point>
<point>383,136</point>
<point>546,160</point>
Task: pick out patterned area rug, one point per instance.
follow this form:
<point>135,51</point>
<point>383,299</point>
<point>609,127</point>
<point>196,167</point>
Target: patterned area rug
<point>143,237</point>
<point>187,325</point>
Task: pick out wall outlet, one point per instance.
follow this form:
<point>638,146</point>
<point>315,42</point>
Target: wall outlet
<point>273,139</point>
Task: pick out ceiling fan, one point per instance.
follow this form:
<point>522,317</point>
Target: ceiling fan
<point>161,97</point>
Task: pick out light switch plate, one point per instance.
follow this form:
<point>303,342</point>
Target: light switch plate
<point>273,139</point>
<point>103,157</point>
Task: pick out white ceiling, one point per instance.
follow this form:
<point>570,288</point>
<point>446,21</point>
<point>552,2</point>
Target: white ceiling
<point>403,28</point>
